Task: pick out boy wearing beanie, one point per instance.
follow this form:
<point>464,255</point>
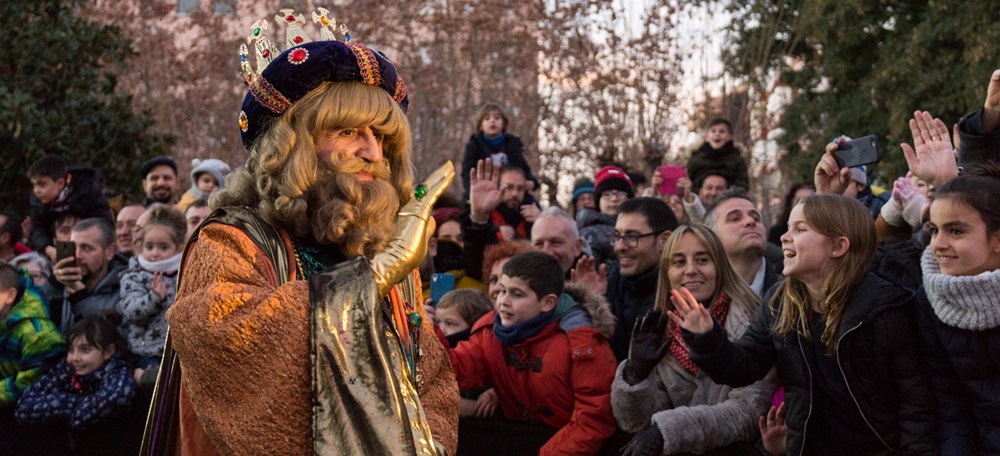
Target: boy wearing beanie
<point>583,195</point>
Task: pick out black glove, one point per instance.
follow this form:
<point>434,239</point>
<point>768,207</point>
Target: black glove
<point>647,347</point>
<point>647,442</point>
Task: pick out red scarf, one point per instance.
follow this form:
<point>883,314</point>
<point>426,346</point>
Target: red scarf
<point>679,349</point>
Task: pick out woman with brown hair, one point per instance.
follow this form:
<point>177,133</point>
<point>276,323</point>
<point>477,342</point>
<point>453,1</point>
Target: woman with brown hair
<point>658,392</point>
<point>843,339</point>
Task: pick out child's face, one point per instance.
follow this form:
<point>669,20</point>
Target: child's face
<point>492,124</point>
<point>157,244</point>
<point>809,254</point>
<point>64,230</point>
<point>718,135</point>
<point>206,183</point>
<point>450,321</point>
<point>85,358</point>
<point>960,241</point>
<point>518,303</point>
<point>46,189</point>
<point>7,298</point>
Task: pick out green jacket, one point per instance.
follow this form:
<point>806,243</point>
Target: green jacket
<point>30,344</point>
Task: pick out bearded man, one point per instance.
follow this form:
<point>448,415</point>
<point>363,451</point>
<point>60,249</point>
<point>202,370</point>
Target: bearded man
<point>294,323</point>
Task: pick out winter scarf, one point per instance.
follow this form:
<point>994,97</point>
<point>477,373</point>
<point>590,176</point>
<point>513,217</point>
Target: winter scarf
<point>493,142</point>
<point>171,264</point>
<point>520,332</point>
<point>964,302</point>
<point>679,349</point>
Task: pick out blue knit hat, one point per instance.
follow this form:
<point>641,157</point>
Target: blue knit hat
<point>581,186</point>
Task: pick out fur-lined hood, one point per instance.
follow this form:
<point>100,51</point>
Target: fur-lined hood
<point>595,305</point>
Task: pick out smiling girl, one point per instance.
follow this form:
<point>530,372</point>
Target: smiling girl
<point>90,386</point>
<point>959,313</point>
<point>843,340</point>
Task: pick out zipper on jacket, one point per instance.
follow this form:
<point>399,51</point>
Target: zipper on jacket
<point>805,425</point>
<point>856,403</point>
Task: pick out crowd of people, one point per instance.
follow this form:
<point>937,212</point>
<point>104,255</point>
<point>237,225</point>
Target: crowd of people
<point>655,315</point>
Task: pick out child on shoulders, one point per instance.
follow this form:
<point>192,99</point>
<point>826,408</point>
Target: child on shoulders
<point>541,373</point>
<point>59,190</point>
<point>90,386</point>
<point>206,176</point>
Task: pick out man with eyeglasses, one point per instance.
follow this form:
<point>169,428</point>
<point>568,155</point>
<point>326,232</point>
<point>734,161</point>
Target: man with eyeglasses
<point>612,187</point>
<point>516,209</point>
<point>641,233</point>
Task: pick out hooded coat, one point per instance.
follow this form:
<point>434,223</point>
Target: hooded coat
<point>30,344</point>
<point>596,229</point>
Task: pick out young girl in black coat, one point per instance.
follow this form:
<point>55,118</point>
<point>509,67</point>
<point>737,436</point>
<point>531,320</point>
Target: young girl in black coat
<point>959,311</point>
<point>492,141</point>
<point>843,339</point>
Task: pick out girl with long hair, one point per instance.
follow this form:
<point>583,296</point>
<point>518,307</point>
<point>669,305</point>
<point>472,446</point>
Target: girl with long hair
<point>843,339</point>
<point>659,384</point>
<point>959,314</point>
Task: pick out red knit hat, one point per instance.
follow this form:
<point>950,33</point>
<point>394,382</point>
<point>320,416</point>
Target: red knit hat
<point>612,178</point>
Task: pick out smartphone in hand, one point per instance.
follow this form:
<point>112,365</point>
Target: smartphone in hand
<point>65,249</point>
<point>857,152</point>
<point>441,283</point>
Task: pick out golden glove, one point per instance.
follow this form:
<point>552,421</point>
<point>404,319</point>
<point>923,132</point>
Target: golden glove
<point>414,226</point>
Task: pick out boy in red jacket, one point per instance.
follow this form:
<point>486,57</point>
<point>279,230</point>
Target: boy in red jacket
<point>541,373</point>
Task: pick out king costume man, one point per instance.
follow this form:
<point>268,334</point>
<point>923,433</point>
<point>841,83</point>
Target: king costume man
<point>297,326</point>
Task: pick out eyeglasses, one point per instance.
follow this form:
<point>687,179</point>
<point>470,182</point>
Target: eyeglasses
<point>514,187</point>
<point>614,194</point>
<point>630,240</point>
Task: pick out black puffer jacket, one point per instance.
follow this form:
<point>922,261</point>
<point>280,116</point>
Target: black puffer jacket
<point>878,358</point>
<point>630,298</point>
<point>965,374</point>
<point>596,229</point>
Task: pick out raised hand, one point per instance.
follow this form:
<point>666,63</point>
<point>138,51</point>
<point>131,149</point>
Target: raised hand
<point>414,225</point>
<point>991,109</point>
<point>903,191</point>
<point>684,189</point>
<point>688,313</point>
<point>159,287</point>
<point>932,158</point>
<point>647,347</point>
<point>773,430</point>
<point>484,190</point>
<point>585,274</point>
<point>829,177</point>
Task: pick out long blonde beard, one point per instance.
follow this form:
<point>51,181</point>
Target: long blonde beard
<point>358,216</point>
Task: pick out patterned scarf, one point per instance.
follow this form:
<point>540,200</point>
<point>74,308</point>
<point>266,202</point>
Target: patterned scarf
<point>679,349</point>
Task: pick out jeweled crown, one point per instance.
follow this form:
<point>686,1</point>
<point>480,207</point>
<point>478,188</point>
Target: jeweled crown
<point>264,50</point>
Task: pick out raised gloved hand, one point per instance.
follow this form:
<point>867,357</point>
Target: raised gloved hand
<point>413,227</point>
<point>647,347</point>
<point>647,442</point>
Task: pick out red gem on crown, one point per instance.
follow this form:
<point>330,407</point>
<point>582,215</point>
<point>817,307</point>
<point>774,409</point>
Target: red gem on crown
<point>297,40</point>
<point>298,56</point>
<point>265,53</point>
<point>290,18</point>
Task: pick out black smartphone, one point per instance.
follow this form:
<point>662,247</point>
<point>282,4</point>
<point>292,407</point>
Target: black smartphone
<point>65,249</point>
<point>857,152</point>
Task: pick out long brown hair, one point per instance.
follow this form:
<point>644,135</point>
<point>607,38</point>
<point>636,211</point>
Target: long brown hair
<point>726,279</point>
<point>284,165</point>
<point>833,216</point>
